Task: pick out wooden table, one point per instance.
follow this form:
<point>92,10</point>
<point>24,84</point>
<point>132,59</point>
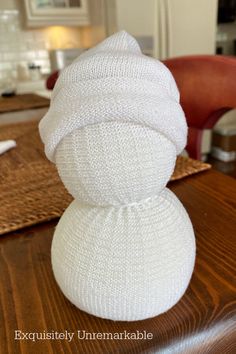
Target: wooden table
<point>204,321</point>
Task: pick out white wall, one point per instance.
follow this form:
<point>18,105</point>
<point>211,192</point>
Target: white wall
<point>136,16</point>
<point>177,27</point>
<point>193,24</point>
<point>8,4</point>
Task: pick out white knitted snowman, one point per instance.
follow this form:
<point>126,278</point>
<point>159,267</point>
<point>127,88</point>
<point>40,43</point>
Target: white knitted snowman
<point>124,249</point>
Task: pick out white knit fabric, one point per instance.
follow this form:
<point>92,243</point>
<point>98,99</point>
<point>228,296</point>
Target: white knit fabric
<point>115,163</point>
<point>126,263</point>
<point>114,81</point>
<point>125,248</point>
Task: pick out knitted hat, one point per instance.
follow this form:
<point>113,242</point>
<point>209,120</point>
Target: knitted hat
<point>114,81</point>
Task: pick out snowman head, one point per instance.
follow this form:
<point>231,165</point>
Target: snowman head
<point>115,124</point>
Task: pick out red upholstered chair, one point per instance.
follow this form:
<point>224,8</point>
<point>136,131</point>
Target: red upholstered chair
<point>51,80</point>
<point>207,85</point>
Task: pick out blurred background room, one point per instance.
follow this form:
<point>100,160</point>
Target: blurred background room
<point>115,137</point>
<point>38,38</point>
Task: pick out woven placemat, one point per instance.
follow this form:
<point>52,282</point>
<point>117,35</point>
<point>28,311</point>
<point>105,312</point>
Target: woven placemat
<point>30,189</point>
<point>185,167</point>
<point>22,102</point>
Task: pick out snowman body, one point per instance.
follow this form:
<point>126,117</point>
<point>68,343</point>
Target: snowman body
<point>124,249</point>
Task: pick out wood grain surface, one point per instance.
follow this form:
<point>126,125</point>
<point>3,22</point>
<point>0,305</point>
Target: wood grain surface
<point>203,321</point>
<point>22,102</point>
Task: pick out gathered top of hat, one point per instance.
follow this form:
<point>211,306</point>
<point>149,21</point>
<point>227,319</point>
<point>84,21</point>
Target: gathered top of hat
<point>114,81</point>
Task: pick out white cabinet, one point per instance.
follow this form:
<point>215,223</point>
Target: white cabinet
<point>184,27</point>
<point>56,12</point>
<point>168,28</point>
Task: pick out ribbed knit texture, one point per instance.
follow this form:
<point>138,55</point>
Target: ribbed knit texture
<point>126,263</point>
<point>114,81</point>
<point>124,249</point>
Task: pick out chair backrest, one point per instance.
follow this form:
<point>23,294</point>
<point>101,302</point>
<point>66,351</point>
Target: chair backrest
<point>207,85</point>
<point>51,80</point>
